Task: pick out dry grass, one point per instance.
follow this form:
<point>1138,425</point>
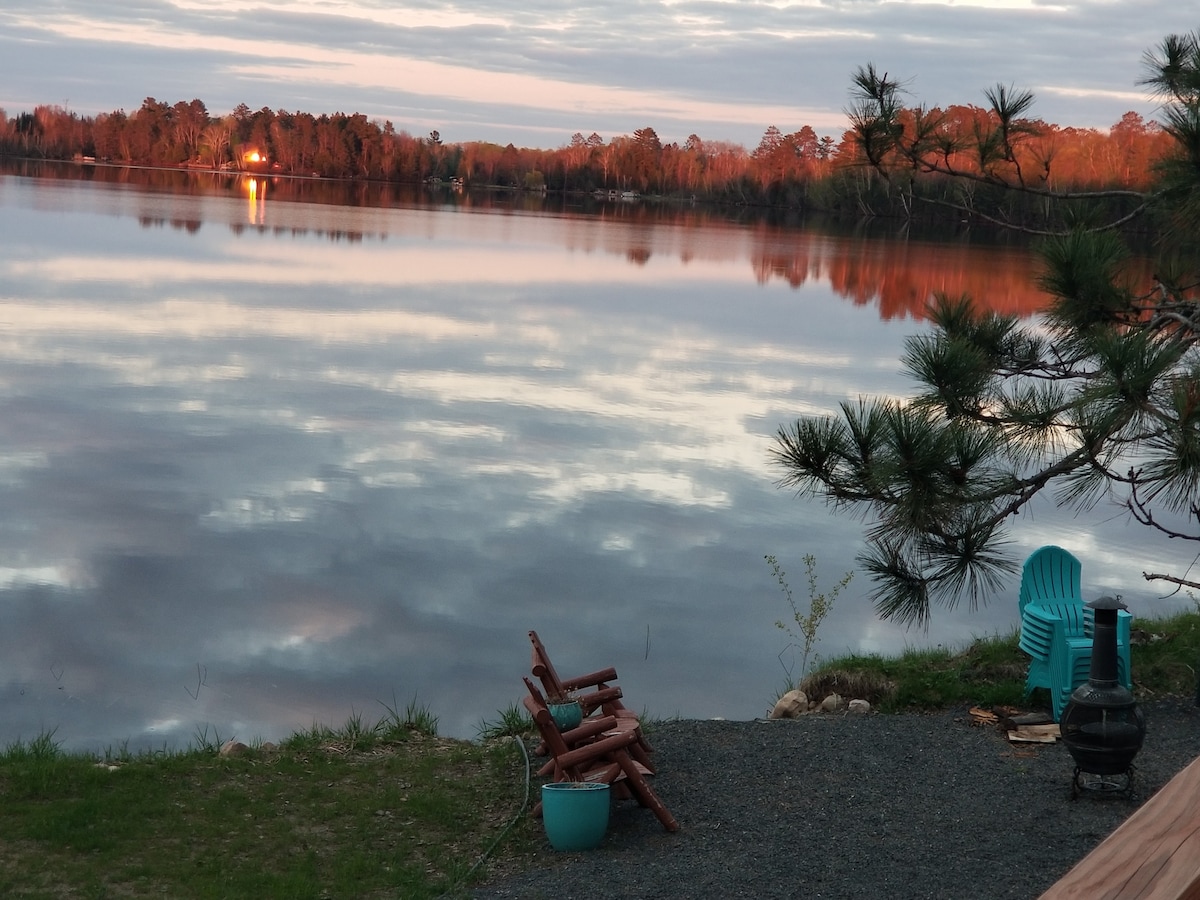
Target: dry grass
<point>850,684</point>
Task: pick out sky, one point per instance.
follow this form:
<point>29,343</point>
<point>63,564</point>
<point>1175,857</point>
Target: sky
<point>537,72</point>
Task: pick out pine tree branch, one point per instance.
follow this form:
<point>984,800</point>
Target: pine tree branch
<point>1145,516</point>
<point>1025,229</point>
<point>1171,579</point>
<point>935,168</point>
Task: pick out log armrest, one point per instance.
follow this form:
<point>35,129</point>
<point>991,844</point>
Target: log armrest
<point>593,700</point>
<point>588,752</point>
<point>592,679</point>
<point>589,729</point>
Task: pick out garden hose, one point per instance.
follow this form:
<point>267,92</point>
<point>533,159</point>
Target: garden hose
<point>513,821</point>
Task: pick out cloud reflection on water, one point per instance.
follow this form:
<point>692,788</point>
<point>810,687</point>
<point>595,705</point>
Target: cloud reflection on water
<point>255,481</point>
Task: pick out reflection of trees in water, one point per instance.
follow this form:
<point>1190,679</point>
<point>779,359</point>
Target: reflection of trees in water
<point>900,277</point>
<point>191,226</point>
<point>335,235</point>
<point>865,263</point>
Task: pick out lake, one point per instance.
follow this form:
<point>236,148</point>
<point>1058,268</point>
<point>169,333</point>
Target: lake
<point>276,453</point>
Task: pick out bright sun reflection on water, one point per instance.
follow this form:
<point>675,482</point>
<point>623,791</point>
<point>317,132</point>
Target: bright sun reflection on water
<point>256,194</point>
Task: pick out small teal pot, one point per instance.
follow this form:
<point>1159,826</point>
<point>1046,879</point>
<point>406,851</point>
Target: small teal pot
<point>566,715</point>
<point>575,814</point>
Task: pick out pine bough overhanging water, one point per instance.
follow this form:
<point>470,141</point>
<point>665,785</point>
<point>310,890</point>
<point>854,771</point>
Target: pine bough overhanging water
<point>1099,400</point>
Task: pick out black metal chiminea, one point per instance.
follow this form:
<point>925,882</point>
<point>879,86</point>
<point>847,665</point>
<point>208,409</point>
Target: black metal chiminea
<point>1102,726</point>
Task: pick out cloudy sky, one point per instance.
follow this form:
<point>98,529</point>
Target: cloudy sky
<point>536,72</point>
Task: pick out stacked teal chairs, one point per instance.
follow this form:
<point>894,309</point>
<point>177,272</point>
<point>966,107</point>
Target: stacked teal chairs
<point>1056,627</point>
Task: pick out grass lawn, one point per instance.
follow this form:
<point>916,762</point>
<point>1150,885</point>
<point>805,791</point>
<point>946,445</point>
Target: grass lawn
<point>378,811</point>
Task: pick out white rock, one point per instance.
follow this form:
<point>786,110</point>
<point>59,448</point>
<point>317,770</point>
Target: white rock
<point>232,748</point>
<point>832,702</point>
<point>792,704</point>
<point>859,706</point>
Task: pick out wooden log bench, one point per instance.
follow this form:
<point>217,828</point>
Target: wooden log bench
<point>1152,855</point>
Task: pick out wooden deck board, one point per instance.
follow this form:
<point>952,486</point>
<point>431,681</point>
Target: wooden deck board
<point>1153,855</point>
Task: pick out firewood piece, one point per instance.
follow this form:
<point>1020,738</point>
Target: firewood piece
<point>1035,734</point>
<point>1013,722</point>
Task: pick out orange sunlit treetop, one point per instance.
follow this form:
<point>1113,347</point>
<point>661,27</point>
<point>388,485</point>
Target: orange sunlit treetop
<point>778,172</point>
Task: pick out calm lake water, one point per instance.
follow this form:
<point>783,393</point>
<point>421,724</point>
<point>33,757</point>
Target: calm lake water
<point>272,454</point>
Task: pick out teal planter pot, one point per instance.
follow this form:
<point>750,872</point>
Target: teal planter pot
<point>566,715</point>
<point>575,814</point>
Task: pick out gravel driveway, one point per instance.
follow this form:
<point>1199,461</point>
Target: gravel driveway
<point>887,807</point>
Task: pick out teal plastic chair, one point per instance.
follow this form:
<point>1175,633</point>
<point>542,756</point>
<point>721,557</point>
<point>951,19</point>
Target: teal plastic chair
<point>1050,578</point>
<point>1056,627</point>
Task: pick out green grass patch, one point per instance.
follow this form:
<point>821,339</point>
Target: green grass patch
<point>512,721</point>
<point>367,810</point>
<point>1164,654</point>
<point>990,671</point>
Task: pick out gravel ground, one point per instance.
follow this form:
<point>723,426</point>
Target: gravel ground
<point>887,807</point>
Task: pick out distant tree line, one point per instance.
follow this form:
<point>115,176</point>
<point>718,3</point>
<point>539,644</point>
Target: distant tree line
<point>799,169</point>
